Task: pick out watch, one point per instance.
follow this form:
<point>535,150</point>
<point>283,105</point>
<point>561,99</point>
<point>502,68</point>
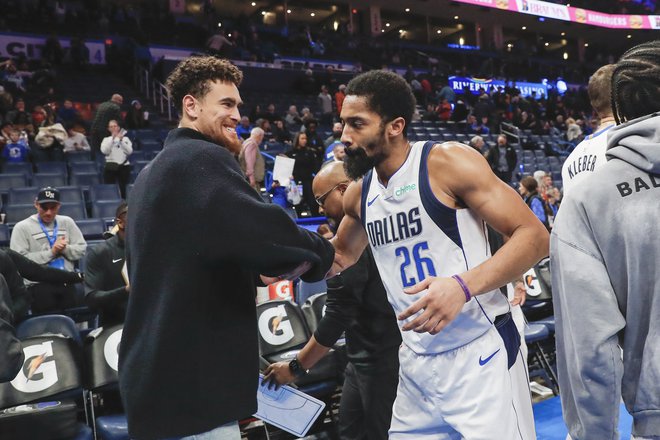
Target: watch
<point>296,368</point>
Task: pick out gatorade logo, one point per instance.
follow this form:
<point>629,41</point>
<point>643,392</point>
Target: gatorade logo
<point>37,373</point>
<point>111,349</point>
<point>532,283</point>
<point>274,326</point>
<point>281,290</point>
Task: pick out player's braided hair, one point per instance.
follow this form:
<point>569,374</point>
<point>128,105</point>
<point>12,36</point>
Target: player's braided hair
<point>636,82</point>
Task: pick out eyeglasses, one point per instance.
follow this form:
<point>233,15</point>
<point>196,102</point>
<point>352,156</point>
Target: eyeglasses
<point>321,199</point>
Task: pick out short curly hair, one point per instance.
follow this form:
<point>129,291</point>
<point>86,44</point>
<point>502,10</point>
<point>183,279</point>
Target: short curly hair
<point>193,75</point>
<point>386,93</point>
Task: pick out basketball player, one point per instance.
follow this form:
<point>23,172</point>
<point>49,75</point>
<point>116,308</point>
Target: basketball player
<point>423,209</point>
<point>605,278</point>
<point>590,153</point>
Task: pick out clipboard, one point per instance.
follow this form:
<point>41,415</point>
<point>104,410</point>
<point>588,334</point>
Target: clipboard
<point>287,408</point>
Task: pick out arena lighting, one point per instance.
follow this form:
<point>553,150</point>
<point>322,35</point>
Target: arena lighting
<point>407,9</point>
<point>628,36</point>
<point>565,55</point>
<point>561,84</point>
<point>524,28</point>
<point>586,44</point>
<point>254,4</point>
<point>455,17</point>
<point>439,31</point>
<point>541,18</point>
<point>108,42</point>
<point>335,25</point>
<point>354,11</point>
<point>219,24</point>
<point>288,11</point>
<point>387,25</point>
<point>563,33</point>
<point>312,14</point>
<point>547,44</point>
<point>461,41</point>
<point>263,12</point>
<point>229,35</point>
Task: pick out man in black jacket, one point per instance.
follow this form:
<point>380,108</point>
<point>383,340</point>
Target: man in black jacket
<point>105,288</point>
<point>356,303</point>
<point>502,159</point>
<point>188,362</point>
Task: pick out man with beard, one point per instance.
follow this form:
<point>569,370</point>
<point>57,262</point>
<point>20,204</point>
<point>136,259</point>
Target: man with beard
<point>423,209</point>
<point>357,304</point>
<point>189,357</point>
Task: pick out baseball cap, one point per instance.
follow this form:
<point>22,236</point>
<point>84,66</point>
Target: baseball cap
<point>48,195</point>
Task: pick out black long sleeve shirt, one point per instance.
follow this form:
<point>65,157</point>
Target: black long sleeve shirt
<point>357,303</point>
<point>105,289</point>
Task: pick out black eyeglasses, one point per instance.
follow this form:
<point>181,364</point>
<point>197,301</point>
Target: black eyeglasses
<point>321,199</point>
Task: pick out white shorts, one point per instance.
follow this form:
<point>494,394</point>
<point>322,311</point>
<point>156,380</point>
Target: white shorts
<point>466,393</point>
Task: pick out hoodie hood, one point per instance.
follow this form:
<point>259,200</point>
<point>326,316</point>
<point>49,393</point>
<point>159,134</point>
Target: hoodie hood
<point>637,142</point>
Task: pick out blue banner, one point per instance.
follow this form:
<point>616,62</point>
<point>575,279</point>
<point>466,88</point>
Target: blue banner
<point>457,83</point>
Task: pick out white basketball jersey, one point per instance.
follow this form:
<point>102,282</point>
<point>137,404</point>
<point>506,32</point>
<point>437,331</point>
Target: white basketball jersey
<point>413,236</point>
<point>584,159</point>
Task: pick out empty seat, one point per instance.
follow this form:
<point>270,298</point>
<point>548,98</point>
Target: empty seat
<point>18,168</point>
<point>83,167</point>
<point>4,235</point>
<point>91,228</point>
<point>76,211</point>
<point>104,208</point>
<point>8,181</point>
<point>70,194</point>
<point>22,196</point>
<point>104,191</point>
<point>16,213</point>
<point>85,180</point>
<point>53,167</point>
<point>41,180</point>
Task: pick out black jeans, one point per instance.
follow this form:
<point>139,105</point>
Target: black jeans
<point>365,409</point>
<point>121,175</point>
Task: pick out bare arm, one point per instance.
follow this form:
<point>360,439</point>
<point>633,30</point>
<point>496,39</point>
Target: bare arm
<point>279,373</point>
<point>461,178</point>
<point>351,238</point>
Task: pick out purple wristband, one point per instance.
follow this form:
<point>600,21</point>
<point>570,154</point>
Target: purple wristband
<point>464,286</point>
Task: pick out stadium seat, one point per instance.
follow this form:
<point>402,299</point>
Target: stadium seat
<point>105,208</point>
<point>71,194</point>
<point>540,364</point>
<point>17,168</point>
<point>91,228</point>
<point>4,235</point>
<point>82,156</point>
<point>41,180</point>
<point>74,210</point>
<point>22,196</point>
<point>48,405</point>
<point>85,180</point>
<point>104,191</point>
<point>84,167</point>
<point>53,167</point>
<point>305,290</point>
<point>16,213</point>
<point>314,309</point>
<point>8,181</point>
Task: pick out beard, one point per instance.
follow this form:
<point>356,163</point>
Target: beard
<point>229,141</point>
<point>357,162</point>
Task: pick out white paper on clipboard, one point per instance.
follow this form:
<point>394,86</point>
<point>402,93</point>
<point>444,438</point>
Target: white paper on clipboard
<point>287,408</point>
<point>283,169</point>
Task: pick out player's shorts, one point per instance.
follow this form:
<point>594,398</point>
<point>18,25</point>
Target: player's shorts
<point>467,393</point>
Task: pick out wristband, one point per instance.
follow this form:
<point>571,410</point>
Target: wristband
<point>464,286</point>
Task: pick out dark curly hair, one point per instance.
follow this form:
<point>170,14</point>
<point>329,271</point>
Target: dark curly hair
<point>636,82</point>
<point>387,94</point>
<point>193,75</point>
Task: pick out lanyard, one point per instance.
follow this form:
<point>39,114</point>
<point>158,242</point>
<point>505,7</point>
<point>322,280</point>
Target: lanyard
<point>58,262</point>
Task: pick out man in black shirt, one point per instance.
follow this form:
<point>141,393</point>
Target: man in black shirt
<point>357,304</point>
<point>189,357</point>
<point>105,288</point>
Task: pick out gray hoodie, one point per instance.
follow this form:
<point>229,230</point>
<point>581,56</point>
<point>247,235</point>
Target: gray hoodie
<point>605,260</point>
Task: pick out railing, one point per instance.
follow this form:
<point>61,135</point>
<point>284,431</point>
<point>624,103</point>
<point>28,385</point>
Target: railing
<point>153,90</point>
<point>510,130</point>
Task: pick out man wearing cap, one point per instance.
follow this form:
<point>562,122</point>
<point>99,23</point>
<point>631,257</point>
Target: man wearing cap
<point>105,288</point>
<point>49,239</point>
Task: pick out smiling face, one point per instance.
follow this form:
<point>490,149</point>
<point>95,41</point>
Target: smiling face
<point>216,114</point>
<point>363,136</point>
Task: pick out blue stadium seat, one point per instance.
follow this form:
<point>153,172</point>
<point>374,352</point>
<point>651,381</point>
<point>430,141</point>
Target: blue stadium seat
<point>76,211</point>
<point>85,180</point>
<point>18,168</point>
<point>150,145</point>
<point>104,191</point>
<point>41,180</point>
<point>82,156</point>
<point>305,290</point>
<point>91,228</point>
<point>8,181</point>
<point>104,208</point>
<point>71,194</point>
<point>53,167</point>
<point>49,324</point>
<point>4,235</point>
<point>16,213</point>
<point>22,196</point>
<point>83,167</point>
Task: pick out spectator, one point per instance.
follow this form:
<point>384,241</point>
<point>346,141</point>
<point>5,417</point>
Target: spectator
<point>279,133</point>
<point>325,104</point>
<point>244,128</point>
<point>218,44</point>
<point>528,190</point>
<point>270,114</point>
<point>136,117</point>
<point>107,111</point>
<point>278,193</point>
<point>49,239</point>
<point>304,168</point>
<point>76,142</point>
<point>117,148</point>
<point>67,115</point>
<point>105,288</point>
<point>337,129</point>
<point>444,110</point>
<point>477,142</point>
<point>502,159</point>
<point>293,120</point>
<point>314,141</point>
<point>21,119</point>
<point>50,143</point>
<point>339,97</point>
<point>336,153</point>
<point>15,151</point>
<point>573,130</point>
<point>251,160</point>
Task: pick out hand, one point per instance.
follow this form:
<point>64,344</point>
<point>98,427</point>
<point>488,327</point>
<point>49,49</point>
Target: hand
<point>441,303</point>
<point>59,246</point>
<point>253,183</point>
<point>277,374</point>
<point>292,275</point>
<point>519,294</point>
